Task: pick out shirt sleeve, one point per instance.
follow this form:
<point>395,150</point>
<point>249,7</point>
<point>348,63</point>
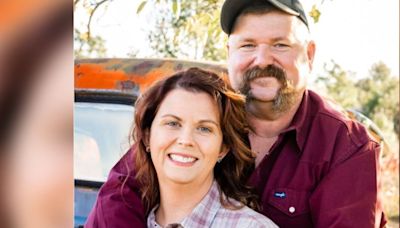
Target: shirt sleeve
<point>118,203</point>
<point>348,195</point>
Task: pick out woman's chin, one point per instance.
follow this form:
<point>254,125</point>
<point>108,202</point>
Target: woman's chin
<point>180,178</point>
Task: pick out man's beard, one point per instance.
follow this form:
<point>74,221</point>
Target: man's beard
<point>287,95</point>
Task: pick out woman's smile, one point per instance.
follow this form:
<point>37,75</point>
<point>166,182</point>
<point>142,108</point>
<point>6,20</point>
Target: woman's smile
<point>182,159</point>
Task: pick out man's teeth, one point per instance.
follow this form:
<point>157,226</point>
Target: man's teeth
<point>179,158</point>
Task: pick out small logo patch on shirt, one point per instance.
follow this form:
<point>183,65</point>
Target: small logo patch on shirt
<point>280,195</point>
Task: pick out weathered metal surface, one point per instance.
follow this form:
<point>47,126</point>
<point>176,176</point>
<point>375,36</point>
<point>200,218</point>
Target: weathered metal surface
<point>131,75</point>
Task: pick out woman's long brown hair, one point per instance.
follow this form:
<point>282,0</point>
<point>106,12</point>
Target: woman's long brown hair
<point>233,171</point>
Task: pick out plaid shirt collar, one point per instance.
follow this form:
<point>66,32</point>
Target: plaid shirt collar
<point>202,215</point>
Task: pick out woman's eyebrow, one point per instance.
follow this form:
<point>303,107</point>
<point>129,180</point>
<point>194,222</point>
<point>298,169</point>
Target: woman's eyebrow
<point>209,121</point>
<point>171,115</point>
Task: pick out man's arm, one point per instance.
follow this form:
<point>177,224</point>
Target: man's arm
<point>348,195</point>
<point>119,203</point>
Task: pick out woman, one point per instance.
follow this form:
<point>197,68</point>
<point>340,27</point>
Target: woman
<point>192,159</point>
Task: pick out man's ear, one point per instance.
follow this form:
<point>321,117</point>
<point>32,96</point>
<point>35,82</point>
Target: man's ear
<point>310,53</point>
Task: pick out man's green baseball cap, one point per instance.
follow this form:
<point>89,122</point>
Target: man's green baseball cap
<point>231,10</point>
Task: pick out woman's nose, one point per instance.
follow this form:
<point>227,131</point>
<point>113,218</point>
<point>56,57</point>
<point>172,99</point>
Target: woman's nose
<point>185,138</point>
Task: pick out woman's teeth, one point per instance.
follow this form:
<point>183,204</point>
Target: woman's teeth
<point>182,159</point>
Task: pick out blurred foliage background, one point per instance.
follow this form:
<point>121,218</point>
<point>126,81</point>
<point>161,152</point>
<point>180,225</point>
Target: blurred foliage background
<point>190,29</point>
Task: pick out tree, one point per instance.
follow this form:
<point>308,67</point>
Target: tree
<point>86,44</point>
<point>379,97</point>
<point>339,85</point>
<point>187,29</point>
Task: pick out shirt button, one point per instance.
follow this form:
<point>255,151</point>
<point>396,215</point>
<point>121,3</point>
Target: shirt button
<point>292,209</point>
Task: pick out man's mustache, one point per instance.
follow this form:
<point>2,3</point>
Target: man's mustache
<point>257,72</point>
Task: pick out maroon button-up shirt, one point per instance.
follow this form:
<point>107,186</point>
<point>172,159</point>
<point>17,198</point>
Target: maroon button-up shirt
<point>322,172</point>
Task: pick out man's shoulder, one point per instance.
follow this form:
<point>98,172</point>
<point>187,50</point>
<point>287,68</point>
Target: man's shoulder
<point>121,177</point>
<point>118,202</point>
<point>332,136</point>
<point>329,116</point>
<point>125,165</point>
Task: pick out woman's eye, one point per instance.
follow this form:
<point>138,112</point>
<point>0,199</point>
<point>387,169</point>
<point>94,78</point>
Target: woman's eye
<point>205,129</point>
<point>172,124</point>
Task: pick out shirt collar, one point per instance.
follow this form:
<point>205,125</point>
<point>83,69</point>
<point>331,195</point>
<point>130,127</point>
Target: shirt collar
<point>151,219</point>
<point>300,124</point>
<point>203,214</point>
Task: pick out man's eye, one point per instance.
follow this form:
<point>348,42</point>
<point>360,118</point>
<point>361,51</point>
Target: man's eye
<point>281,46</point>
<point>247,46</point>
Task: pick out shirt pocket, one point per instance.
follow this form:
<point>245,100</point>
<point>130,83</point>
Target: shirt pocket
<point>290,202</point>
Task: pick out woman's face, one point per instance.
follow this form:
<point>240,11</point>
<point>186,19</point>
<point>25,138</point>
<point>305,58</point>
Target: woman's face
<point>186,138</point>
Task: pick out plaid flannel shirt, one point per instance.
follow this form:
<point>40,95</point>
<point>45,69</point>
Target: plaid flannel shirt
<point>210,213</point>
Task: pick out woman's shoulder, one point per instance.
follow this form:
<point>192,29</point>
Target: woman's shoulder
<point>243,217</point>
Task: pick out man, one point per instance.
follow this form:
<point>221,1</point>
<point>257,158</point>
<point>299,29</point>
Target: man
<point>314,167</point>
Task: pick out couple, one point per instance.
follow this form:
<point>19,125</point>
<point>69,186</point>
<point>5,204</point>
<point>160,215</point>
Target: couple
<point>311,161</point>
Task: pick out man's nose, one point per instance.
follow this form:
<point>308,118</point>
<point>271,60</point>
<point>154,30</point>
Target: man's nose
<point>185,138</point>
<point>263,57</point>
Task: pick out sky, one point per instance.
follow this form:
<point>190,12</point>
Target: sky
<point>355,34</point>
